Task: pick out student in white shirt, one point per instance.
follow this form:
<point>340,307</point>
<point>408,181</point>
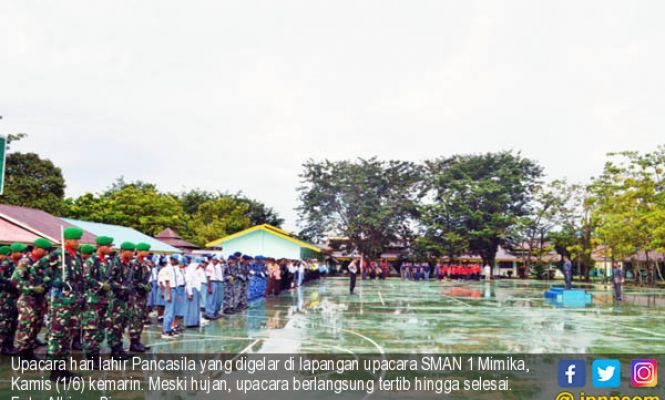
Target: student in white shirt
<point>180,296</point>
<point>166,279</point>
<point>192,286</point>
<point>203,287</point>
<point>212,286</point>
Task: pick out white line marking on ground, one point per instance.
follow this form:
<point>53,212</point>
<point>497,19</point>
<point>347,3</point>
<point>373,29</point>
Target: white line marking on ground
<point>457,300</point>
<point>644,331</point>
<point>345,350</point>
<point>381,297</point>
<point>218,336</point>
<point>247,349</point>
<point>175,341</point>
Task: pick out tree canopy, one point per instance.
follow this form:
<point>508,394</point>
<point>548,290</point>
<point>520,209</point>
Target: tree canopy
<point>370,202</point>
<point>481,196</point>
<point>32,181</point>
<point>630,207</point>
<point>198,216</point>
<point>137,205</point>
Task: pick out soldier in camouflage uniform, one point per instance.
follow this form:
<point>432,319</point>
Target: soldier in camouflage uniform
<point>76,324</point>
<point>96,292</point>
<point>243,273</point>
<point>103,256</point>
<point>8,296</point>
<point>229,283</point>
<point>86,251</point>
<point>65,300</point>
<point>118,314</point>
<point>33,281</point>
<point>139,301</point>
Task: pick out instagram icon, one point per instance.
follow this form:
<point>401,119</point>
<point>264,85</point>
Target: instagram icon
<point>644,373</point>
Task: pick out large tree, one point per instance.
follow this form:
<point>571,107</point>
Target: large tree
<point>371,202</point>
<point>484,195</point>
<point>193,198</point>
<point>217,218</point>
<point>630,215</point>
<point>257,212</point>
<point>443,229</point>
<point>198,216</point>
<point>31,181</point>
<point>137,205</point>
<point>533,231</point>
<point>575,234</point>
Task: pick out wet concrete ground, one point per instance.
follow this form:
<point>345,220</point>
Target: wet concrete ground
<point>395,316</point>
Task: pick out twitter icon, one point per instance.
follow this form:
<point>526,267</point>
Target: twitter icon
<point>606,373</point>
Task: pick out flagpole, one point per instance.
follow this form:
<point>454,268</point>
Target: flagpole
<point>62,245</point>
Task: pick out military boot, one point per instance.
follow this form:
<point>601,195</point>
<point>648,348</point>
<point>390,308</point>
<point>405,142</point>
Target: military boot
<point>28,354</point>
<point>76,343</point>
<point>8,348</point>
<point>136,347</point>
<point>118,353</point>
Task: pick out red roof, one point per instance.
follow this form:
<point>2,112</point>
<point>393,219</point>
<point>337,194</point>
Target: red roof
<point>171,237</point>
<point>39,222</point>
<point>168,233</point>
<point>10,233</point>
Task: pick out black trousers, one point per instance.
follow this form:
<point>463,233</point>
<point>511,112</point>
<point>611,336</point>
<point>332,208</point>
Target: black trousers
<point>352,282</point>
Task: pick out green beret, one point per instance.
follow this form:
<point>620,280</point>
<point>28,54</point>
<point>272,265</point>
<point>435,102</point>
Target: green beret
<point>128,246</point>
<point>5,250</point>
<point>142,247</point>
<point>18,247</point>
<point>87,249</point>
<point>104,241</point>
<point>73,233</point>
<point>43,244</point>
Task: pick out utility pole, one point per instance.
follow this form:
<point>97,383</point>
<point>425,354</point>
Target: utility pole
<point>3,157</point>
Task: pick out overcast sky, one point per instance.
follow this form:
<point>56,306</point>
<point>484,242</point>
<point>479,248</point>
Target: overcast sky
<point>235,95</point>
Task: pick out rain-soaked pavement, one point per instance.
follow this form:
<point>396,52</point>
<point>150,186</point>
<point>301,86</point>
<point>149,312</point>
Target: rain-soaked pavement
<point>395,316</point>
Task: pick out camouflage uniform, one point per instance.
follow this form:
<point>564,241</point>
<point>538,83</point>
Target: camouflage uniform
<point>238,285</point>
<point>229,295</point>
<point>138,312</point>
<point>8,306</point>
<point>33,282</point>
<point>243,273</point>
<point>64,303</point>
<point>96,273</point>
<point>118,312</point>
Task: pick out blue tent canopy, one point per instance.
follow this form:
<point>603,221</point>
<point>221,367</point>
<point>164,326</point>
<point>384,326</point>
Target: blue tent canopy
<point>123,234</point>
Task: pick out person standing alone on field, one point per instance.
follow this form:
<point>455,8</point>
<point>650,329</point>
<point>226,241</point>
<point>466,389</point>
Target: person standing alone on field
<point>353,274</point>
<point>617,280</point>
<point>567,271</point>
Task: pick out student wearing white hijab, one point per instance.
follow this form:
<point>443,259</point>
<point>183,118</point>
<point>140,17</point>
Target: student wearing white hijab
<point>203,289</point>
<point>192,286</point>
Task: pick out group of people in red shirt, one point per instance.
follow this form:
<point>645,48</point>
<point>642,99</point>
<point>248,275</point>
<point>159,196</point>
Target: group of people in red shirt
<point>456,271</point>
<point>374,269</point>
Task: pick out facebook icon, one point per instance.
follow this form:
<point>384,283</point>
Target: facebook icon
<point>572,373</point>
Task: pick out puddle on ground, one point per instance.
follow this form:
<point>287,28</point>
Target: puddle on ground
<point>396,316</point>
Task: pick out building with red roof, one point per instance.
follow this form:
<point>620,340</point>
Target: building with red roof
<point>171,237</point>
<point>24,225</point>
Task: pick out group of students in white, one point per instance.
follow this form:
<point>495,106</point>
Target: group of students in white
<point>180,292</point>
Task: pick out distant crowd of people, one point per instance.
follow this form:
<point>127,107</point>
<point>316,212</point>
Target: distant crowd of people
<point>417,271</point>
